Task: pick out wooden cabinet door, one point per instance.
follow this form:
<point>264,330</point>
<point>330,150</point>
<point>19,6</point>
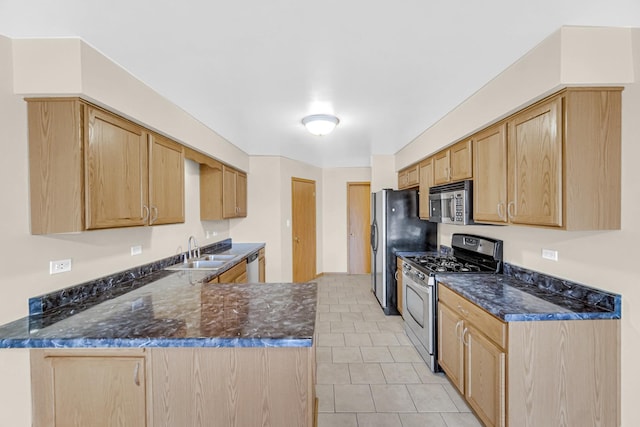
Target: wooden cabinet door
<point>535,165</point>
<point>166,181</point>
<point>426,181</point>
<point>490,175</point>
<point>408,177</point>
<point>116,172</point>
<point>413,177</point>
<point>234,193</point>
<point>450,350</point>
<point>441,167</point>
<point>211,192</point>
<point>241,194</point>
<point>236,274</point>
<point>98,391</point>
<point>461,161</point>
<point>229,192</point>
<point>485,384</point>
<point>402,179</point>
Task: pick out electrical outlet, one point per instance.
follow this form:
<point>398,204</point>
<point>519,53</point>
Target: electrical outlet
<point>136,250</point>
<point>60,266</point>
<point>550,254</point>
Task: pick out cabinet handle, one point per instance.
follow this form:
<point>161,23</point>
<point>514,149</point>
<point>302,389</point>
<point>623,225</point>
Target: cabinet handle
<point>145,209</point>
<point>136,374</point>
<point>465,332</point>
<point>509,209</point>
<point>154,217</point>
<point>396,275</point>
<point>458,324</point>
<point>500,208</point>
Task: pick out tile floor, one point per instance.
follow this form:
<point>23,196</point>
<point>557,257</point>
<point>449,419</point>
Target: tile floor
<point>368,373</point>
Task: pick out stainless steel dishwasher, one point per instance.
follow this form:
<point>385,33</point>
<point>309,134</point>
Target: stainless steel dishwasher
<point>253,268</point>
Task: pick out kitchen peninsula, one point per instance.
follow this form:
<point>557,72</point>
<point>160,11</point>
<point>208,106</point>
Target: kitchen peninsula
<point>176,350</point>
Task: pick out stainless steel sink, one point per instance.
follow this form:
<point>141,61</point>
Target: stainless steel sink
<point>218,257</point>
<point>198,264</point>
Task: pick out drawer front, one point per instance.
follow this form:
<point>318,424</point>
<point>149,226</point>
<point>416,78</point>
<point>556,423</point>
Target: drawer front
<point>493,328</point>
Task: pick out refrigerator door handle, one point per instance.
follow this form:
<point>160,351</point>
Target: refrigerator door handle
<point>374,236</point>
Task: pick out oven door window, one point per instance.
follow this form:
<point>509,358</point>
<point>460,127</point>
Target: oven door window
<point>415,306</point>
<point>435,208</point>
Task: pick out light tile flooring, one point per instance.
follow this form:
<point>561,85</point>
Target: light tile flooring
<point>368,373</point>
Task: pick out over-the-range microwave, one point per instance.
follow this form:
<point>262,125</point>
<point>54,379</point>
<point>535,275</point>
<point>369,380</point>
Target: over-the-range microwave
<point>452,203</point>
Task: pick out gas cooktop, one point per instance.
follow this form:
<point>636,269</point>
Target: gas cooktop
<point>471,254</point>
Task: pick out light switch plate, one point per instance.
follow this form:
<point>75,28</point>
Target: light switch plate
<point>59,266</point>
<point>550,254</point>
<point>136,250</point>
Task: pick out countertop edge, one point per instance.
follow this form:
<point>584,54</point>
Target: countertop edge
<point>511,316</point>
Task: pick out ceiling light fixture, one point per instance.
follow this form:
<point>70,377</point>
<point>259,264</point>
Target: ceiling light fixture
<point>320,124</point>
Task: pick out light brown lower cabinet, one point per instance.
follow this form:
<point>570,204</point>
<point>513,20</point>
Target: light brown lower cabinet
<point>236,274</point>
<point>158,387</point>
<point>83,388</point>
<point>262,266</point>
<point>560,373</point>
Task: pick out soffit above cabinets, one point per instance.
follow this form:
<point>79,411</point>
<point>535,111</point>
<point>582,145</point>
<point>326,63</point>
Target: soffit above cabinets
<point>252,70</point>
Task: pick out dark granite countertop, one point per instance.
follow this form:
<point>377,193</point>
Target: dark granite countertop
<point>178,309</point>
<point>511,299</point>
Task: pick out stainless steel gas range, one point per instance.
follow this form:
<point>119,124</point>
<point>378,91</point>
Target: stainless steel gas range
<point>470,254</point>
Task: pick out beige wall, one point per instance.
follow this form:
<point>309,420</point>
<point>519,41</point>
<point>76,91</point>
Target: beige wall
<point>603,259</point>
<point>383,172</point>
<point>72,67</point>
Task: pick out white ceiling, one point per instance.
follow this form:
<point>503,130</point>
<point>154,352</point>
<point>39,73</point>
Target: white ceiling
<point>251,69</point>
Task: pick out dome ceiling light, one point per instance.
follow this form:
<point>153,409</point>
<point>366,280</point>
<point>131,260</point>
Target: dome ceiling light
<point>320,124</point>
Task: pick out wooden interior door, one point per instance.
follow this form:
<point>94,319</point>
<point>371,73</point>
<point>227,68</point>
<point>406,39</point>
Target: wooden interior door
<point>358,223</point>
<point>303,229</point>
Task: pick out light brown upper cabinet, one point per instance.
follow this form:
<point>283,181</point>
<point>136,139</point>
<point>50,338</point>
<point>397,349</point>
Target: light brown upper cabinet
<point>408,177</point>
<point>454,163</point>
<point>211,191</point>
<point>223,189</point>
<point>555,164</point>
<point>426,181</point>
<point>166,180</point>
<point>90,169</point>
<point>490,181</point>
<point>234,193</point>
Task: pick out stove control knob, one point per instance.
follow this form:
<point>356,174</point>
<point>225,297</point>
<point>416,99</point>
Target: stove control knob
<point>420,275</point>
<point>406,267</point>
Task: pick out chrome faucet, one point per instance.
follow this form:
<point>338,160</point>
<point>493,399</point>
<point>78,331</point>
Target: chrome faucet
<point>195,251</point>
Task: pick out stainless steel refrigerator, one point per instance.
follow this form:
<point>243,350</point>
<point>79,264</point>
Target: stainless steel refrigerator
<point>395,226</point>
